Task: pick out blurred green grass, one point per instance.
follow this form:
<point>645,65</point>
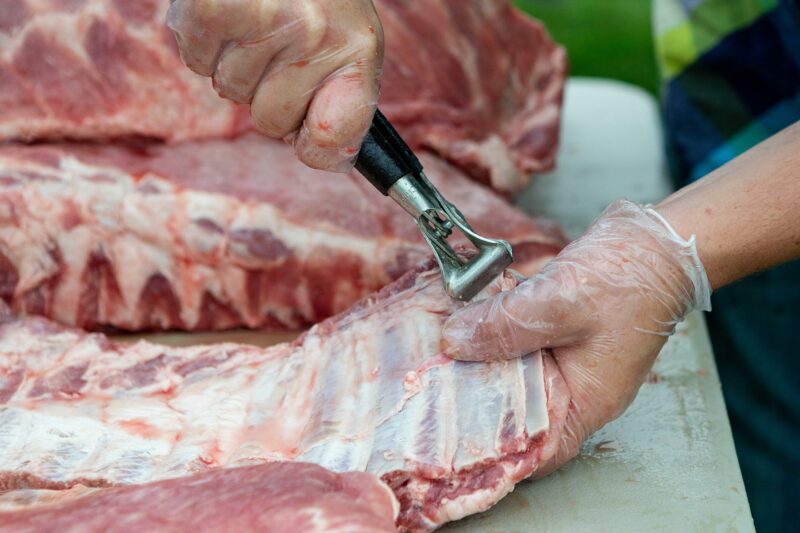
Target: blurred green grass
<point>604,38</point>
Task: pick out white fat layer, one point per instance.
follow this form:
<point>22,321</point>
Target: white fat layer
<point>495,155</point>
<point>182,235</point>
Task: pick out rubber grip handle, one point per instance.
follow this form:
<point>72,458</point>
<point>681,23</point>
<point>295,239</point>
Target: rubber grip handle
<point>385,157</point>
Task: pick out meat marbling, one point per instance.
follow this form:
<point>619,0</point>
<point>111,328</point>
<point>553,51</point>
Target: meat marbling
<point>101,68</point>
<point>367,390</point>
<point>474,80</point>
<point>269,498</point>
<point>213,234</point>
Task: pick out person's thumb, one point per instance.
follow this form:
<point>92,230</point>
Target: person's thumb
<point>539,313</point>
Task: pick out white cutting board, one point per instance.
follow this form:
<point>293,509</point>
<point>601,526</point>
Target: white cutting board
<point>668,464</point>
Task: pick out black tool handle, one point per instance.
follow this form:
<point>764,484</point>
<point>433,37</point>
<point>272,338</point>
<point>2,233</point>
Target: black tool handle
<point>385,157</point>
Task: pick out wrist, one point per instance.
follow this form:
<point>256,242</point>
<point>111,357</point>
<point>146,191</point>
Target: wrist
<point>684,251</point>
<point>683,216</point>
<point>672,258</point>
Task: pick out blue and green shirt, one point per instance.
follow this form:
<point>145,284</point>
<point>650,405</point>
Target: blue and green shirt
<point>731,78</point>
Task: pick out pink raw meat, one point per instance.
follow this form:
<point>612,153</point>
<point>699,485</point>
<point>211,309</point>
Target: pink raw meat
<point>477,82</point>
<point>474,80</point>
<point>101,68</point>
<point>268,498</point>
<point>213,235</point>
<point>367,390</point>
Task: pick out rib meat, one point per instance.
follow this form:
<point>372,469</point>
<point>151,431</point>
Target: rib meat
<point>213,235</point>
<point>94,69</point>
<point>268,498</point>
<point>367,390</point>
<point>474,80</point>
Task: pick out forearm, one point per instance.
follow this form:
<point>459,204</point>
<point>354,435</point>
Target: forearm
<point>746,214</point>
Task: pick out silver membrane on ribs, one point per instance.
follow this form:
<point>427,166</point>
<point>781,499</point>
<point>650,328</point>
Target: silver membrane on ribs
<point>367,390</point>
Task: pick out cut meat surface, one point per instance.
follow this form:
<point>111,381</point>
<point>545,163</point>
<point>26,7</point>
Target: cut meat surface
<point>101,68</point>
<point>474,80</point>
<point>268,498</point>
<point>367,391</point>
<point>214,234</point>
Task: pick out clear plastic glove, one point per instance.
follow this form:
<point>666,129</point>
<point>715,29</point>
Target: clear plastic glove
<point>309,68</point>
<point>602,309</point>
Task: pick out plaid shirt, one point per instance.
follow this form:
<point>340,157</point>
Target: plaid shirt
<point>731,78</point>
<point>731,73</point>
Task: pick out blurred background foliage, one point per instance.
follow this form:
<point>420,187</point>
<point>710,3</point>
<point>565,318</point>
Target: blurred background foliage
<point>604,38</point>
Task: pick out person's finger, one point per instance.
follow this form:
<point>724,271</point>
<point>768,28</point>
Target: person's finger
<point>200,40</point>
<point>565,435</point>
<point>278,66</point>
<point>207,28</point>
<point>565,446</point>
<point>342,109</point>
<point>241,68</point>
<point>298,66</point>
<point>282,98</point>
<point>542,312</point>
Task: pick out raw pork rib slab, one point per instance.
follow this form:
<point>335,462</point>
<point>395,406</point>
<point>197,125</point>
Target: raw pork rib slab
<point>101,68</point>
<point>474,80</point>
<point>367,390</point>
<point>269,498</point>
<point>213,235</point>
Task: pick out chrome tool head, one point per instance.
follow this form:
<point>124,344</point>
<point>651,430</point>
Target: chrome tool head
<point>464,275</point>
<point>390,165</point>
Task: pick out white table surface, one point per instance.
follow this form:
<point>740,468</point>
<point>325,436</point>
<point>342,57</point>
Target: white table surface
<point>668,464</point>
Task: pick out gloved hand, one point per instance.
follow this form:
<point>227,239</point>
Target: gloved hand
<point>309,68</point>
<point>602,309</point>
